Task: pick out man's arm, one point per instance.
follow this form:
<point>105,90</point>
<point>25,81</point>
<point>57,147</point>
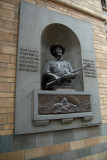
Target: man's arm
<point>48,72</point>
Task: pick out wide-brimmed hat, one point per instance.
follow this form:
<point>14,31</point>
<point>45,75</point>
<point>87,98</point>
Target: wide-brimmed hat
<point>53,46</point>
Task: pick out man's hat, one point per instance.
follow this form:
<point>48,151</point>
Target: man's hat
<point>53,46</point>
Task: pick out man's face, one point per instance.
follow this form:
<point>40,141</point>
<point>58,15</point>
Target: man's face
<point>58,51</point>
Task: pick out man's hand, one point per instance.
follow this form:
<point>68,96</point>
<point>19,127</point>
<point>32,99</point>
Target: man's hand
<point>58,79</point>
<point>77,72</point>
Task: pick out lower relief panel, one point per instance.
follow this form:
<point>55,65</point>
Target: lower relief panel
<point>63,104</point>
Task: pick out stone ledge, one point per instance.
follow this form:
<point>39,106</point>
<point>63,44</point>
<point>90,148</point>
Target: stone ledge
<point>68,3</point>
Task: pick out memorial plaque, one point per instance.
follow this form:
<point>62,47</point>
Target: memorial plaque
<point>91,70</point>
<point>61,104</point>
<point>28,60</point>
<point>56,78</point>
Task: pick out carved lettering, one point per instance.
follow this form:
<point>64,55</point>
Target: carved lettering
<point>91,70</point>
<point>28,60</point>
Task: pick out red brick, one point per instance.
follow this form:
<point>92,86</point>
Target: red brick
<point>54,149</point>
<point>3,79</point>
<point>13,87</point>
<point>5,36</point>
<point>1,126</point>
<point>6,102</point>
<point>4,87</point>
<point>16,155</point>
<point>3,118</point>
<point>11,118</point>
<point>92,141</point>
<point>6,110</point>
<point>5,58</point>
<point>5,132</point>
<point>6,13</point>
<point>3,65</point>
<point>11,79</point>
<point>7,1</point>
<point>11,66</point>
<point>4,94</point>
<point>16,2</point>
<point>7,73</point>
<point>13,59</point>
<point>8,126</point>
<point>1,23</point>
<point>10,25</point>
<point>34,153</point>
<point>8,50</point>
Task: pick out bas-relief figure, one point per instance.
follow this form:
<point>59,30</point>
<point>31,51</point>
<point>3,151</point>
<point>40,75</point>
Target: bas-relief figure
<point>58,73</point>
<point>75,104</point>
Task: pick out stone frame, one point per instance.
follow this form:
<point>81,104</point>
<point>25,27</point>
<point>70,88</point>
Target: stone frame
<point>38,117</point>
<point>27,82</point>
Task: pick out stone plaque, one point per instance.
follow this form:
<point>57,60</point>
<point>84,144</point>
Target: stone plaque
<point>91,70</point>
<point>41,109</point>
<point>61,104</point>
<point>28,60</point>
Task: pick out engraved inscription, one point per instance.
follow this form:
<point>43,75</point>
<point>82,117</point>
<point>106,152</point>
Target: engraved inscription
<point>63,104</point>
<point>91,70</point>
<point>28,60</point>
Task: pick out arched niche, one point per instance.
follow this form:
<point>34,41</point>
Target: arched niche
<point>59,33</point>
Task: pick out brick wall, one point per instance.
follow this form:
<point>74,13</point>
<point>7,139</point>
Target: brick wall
<point>89,11</point>
<point>9,11</point>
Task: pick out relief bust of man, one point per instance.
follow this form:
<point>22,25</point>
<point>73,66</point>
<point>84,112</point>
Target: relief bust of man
<point>58,73</point>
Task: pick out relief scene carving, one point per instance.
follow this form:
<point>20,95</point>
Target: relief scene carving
<point>63,104</point>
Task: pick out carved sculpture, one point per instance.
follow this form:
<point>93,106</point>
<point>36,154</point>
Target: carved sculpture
<point>58,72</point>
<point>67,104</point>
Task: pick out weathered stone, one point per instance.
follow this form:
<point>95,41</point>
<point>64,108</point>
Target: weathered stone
<point>28,78</point>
